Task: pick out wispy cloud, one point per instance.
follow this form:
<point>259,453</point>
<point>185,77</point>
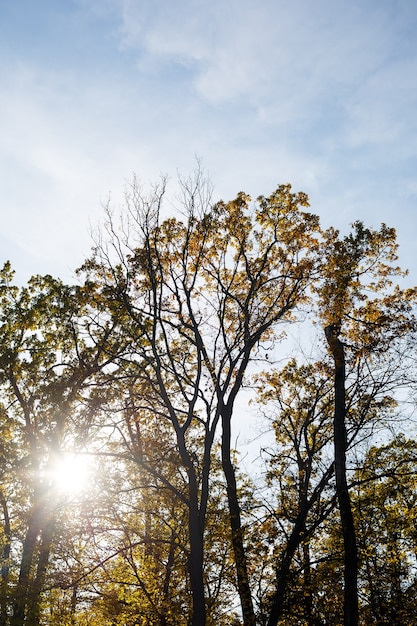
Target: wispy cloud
<point>235,48</point>
<point>320,94</point>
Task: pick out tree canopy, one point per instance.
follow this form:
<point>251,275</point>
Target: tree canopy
<point>176,332</point>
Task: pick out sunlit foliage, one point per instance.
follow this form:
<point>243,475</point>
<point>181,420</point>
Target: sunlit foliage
<point>143,369</point>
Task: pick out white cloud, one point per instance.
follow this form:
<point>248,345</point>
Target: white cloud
<point>239,47</point>
<point>318,94</point>
<point>292,63</point>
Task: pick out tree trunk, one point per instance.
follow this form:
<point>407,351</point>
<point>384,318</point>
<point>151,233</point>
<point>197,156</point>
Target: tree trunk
<point>22,589</point>
<point>195,559</point>
<point>277,606</point>
<point>294,541</point>
<point>34,561</point>
<point>351,611</point>
<point>195,529</point>
<point>236,524</point>
<point>35,593</point>
<point>4,575</point>
<point>167,581</point>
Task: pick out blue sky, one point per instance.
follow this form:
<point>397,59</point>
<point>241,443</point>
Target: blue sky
<point>320,94</point>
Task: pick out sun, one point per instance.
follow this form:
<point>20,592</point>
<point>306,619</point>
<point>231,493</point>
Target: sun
<point>70,473</point>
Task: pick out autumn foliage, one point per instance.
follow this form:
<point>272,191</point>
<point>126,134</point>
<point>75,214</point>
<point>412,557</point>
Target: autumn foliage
<point>177,332</point>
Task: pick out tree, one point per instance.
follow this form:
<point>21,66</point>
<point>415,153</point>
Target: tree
<point>147,362</point>
<point>299,399</point>
<point>384,499</point>
<point>363,313</point>
<point>48,356</point>
<point>300,471</point>
<point>199,300</point>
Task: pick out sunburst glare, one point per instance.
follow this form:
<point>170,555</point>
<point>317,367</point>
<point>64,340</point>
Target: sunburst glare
<point>71,473</point>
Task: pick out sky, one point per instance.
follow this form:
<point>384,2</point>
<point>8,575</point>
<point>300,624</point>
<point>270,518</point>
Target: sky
<point>321,94</point>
